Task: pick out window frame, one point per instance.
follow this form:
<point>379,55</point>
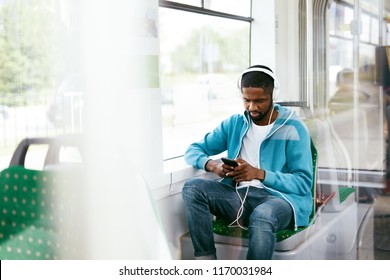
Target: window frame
<point>201,10</point>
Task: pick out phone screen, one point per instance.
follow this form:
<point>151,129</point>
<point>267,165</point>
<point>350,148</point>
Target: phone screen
<point>230,162</point>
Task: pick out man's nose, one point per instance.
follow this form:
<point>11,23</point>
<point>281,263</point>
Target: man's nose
<point>252,105</point>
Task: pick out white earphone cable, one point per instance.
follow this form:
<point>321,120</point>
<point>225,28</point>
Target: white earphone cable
<point>242,200</point>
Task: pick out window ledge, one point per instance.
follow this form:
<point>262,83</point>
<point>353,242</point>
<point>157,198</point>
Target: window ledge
<point>176,172</point>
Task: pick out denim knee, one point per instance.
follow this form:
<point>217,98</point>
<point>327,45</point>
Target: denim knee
<point>191,188</point>
<point>263,217</point>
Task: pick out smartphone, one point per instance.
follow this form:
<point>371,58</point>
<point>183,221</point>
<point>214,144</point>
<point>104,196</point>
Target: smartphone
<point>229,162</point>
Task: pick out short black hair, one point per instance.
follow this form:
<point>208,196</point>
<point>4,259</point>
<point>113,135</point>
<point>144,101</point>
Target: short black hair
<point>258,79</point>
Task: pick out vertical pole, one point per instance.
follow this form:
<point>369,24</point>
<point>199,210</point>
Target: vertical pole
<point>310,60</point>
<point>356,30</point>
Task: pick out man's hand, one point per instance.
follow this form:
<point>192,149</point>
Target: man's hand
<point>215,167</point>
<point>244,172</point>
<point>218,168</point>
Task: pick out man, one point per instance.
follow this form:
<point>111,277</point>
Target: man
<point>270,189</point>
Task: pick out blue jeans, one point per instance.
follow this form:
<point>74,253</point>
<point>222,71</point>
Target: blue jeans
<point>263,214</point>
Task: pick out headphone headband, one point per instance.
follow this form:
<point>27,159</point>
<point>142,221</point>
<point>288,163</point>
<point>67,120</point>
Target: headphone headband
<point>275,93</point>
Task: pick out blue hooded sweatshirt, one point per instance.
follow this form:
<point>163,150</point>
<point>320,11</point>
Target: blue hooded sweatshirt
<point>285,157</point>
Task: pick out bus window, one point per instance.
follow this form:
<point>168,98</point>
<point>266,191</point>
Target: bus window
<point>201,57</point>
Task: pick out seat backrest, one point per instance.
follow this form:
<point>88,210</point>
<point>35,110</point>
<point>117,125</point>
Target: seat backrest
<point>332,155</point>
<point>37,206</point>
<point>314,156</point>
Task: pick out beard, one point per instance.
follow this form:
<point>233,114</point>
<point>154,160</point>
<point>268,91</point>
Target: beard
<point>259,116</point>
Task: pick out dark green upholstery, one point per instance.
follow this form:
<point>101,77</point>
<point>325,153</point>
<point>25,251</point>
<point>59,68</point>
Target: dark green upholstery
<point>221,227</point>
<point>27,216</point>
<point>344,193</point>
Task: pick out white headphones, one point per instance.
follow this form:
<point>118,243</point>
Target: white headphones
<point>275,93</point>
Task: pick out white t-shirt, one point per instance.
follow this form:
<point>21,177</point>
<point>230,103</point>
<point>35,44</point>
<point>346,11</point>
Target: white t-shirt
<point>250,150</point>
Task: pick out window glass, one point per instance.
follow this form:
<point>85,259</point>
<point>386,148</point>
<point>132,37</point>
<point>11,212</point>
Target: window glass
<point>370,6</point>
<point>41,88</point>
<point>341,57</point>
<point>332,20</point>
<point>345,18</point>
<point>35,157</point>
<point>345,90</point>
<point>241,8</point>
<point>340,20</point>
<point>366,27</point>
<point>200,62</point>
<point>374,31</point>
